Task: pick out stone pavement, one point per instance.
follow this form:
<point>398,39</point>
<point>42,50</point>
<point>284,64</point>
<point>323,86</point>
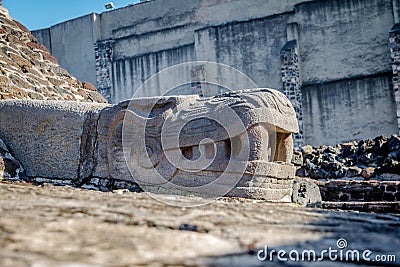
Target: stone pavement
<point>65,226</point>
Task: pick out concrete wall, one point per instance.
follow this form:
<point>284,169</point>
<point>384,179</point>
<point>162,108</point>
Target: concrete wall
<point>348,110</point>
<point>344,59</point>
<point>72,43</point>
<point>252,47</point>
<point>340,39</point>
<point>129,74</point>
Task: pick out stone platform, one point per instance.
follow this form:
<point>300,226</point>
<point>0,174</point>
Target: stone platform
<point>63,226</point>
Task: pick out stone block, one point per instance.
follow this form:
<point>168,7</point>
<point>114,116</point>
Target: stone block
<point>306,193</point>
<point>46,136</point>
<point>205,146</point>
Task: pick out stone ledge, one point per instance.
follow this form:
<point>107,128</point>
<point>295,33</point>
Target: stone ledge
<point>378,206</point>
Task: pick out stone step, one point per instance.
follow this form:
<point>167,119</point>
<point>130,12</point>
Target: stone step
<point>374,206</point>
<point>359,191</point>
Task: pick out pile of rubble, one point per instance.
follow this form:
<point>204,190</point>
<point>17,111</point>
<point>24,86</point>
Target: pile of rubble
<point>364,160</point>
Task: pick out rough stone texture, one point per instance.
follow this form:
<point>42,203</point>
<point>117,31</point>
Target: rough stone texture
<point>252,47</point>
<point>29,71</point>
<point>103,52</point>
<point>128,74</point>
<point>343,39</point>
<point>394,44</point>
<point>363,176</point>
<point>266,116</point>
<point>366,159</point>
<point>365,206</point>
<point>349,110</point>
<point>306,193</point>
<point>46,136</point>
<point>10,168</point>
<point>63,226</point>
<point>292,85</point>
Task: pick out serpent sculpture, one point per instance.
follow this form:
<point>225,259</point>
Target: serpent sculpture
<point>236,144</point>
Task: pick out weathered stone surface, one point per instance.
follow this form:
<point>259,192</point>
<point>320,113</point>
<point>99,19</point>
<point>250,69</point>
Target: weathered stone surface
<point>10,169</point>
<point>46,136</point>
<point>62,226</point>
<point>306,193</point>
<point>157,142</point>
<point>27,69</point>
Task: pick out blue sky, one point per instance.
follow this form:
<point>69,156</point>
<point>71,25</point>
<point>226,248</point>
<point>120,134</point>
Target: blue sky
<point>38,14</point>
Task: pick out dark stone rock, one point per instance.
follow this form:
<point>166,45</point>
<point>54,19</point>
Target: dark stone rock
<point>391,188</point>
<point>301,172</point>
<point>344,197</point>
<point>331,150</point>
<point>390,166</point>
<point>329,157</point>
<point>368,173</point>
<point>309,157</point>
<point>357,196</point>
<point>366,158</point>
<point>388,196</point>
<point>309,165</point>
<point>317,173</point>
<point>348,150</point>
<point>380,147</point>
<point>10,168</point>
<point>377,196</point>
<point>297,158</point>
<point>188,227</point>
<point>393,143</point>
<point>395,155</point>
<point>353,171</point>
<point>341,173</point>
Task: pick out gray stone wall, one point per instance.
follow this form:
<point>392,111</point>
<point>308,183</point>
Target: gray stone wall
<point>342,39</point>
<point>346,110</point>
<point>252,47</point>
<point>130,73</point>
<point>394,44</point>
<point>72,43</point>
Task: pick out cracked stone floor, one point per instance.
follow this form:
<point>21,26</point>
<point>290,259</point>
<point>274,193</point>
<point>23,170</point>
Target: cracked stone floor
<point>64,226</point>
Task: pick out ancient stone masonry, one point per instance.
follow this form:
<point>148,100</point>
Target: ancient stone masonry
<point>29,71</point>
<point>103,54</point>
<point>292,84</point>
<point>236,144</point>
<point>362,175</point>
<point>394,44</point>
<point>360,191</point>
